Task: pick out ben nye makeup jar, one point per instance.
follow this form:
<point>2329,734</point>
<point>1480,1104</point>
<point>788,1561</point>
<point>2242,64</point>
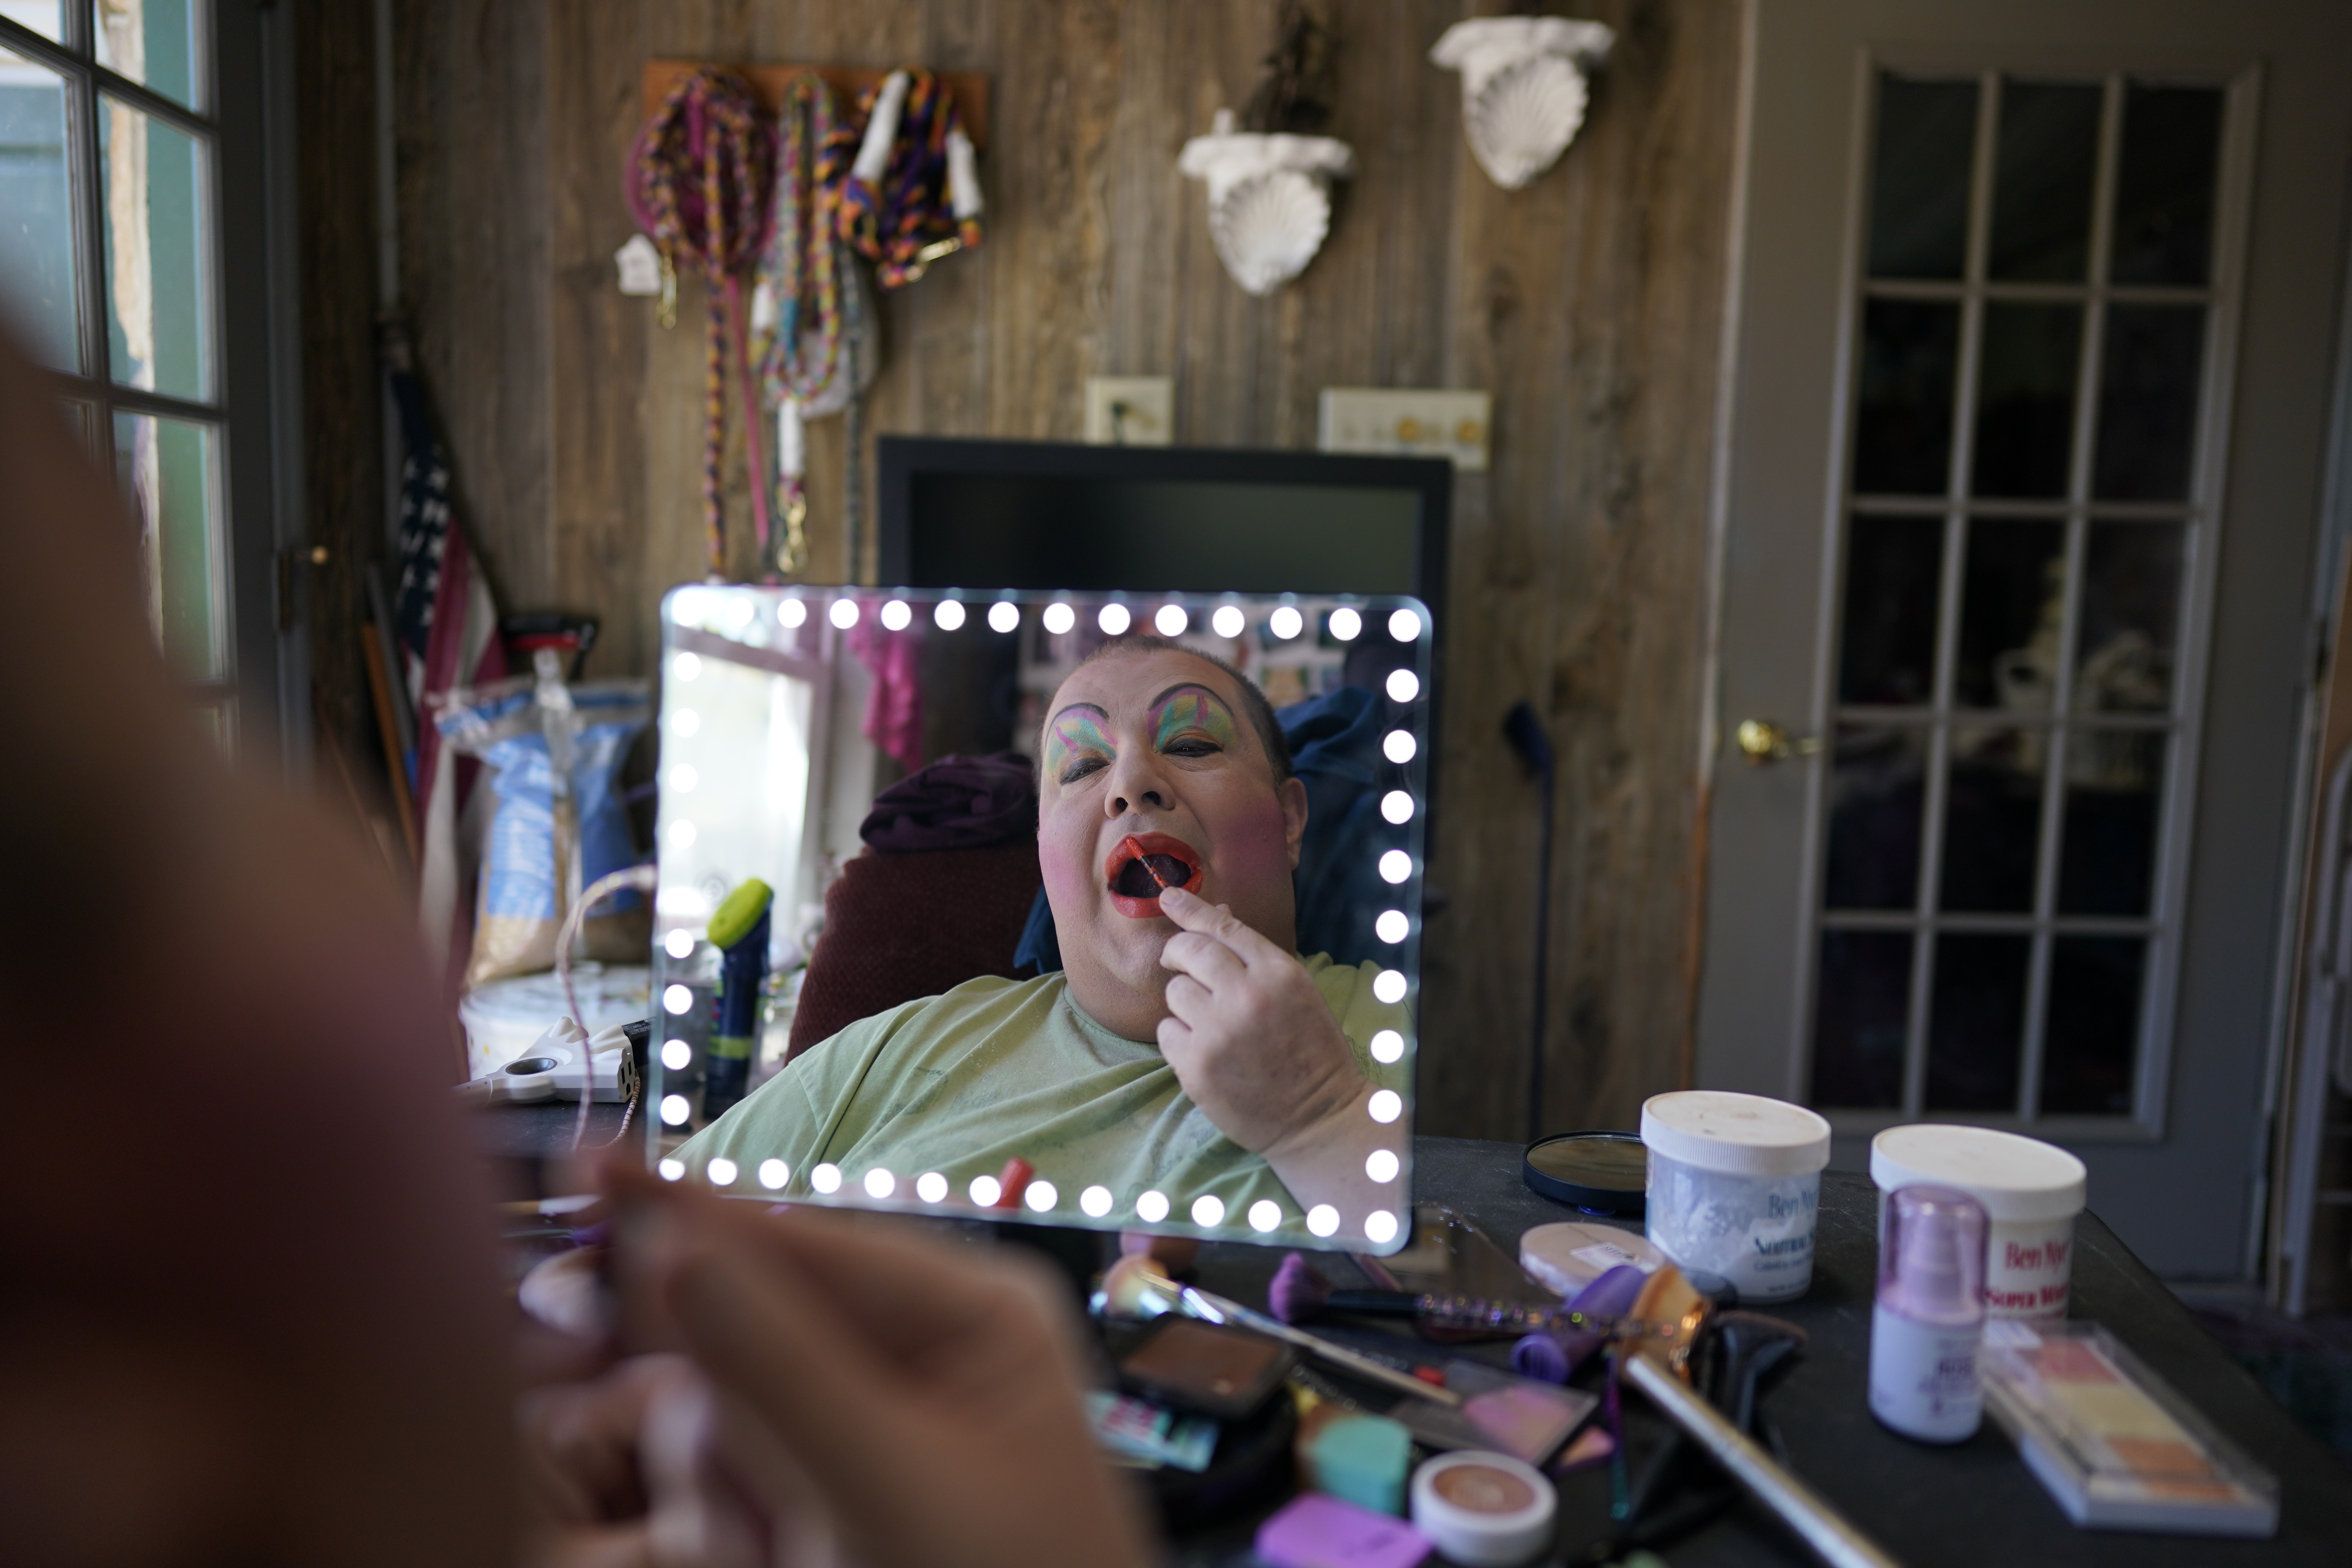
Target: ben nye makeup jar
<point>2030,1190</point>
<point>1736,1187</point>
<point>1486,1510</point>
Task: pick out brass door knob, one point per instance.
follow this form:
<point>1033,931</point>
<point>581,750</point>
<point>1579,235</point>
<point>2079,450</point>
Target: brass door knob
<point>1761,741</point>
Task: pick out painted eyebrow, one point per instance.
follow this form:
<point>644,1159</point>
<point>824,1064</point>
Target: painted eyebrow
<point>1084,708</point>
<point>1186,686</point>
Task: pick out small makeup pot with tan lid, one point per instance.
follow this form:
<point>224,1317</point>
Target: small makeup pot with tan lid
<point>2030,1190</point>
<point>1483,1510</point>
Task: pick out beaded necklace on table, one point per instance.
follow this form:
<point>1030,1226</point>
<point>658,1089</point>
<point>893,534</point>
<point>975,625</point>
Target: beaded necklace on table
<point>698,183</point>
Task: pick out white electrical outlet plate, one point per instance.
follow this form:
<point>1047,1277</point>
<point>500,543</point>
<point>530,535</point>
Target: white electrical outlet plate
<point>1131,410</point>
<point>1407,422</point>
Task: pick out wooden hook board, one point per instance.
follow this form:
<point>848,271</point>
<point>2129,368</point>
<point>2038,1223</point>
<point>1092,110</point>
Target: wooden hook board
<point>970,88</point>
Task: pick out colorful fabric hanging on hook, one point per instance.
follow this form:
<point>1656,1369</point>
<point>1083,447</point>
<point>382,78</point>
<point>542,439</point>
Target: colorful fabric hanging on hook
<point>699,180</point>
<point>810,312</point>
<point>909,190</point>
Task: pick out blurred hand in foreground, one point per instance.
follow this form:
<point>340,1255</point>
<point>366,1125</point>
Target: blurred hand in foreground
<point>833,1386</point>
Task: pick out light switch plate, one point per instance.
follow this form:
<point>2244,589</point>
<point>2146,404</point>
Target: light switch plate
<point>1407,422</point>
<point>1131,410</point>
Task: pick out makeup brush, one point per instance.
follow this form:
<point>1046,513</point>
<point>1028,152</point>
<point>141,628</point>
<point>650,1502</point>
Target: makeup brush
<point>1134,1287</point>
<point>1200,1303</point>
<point>1300,1294</point>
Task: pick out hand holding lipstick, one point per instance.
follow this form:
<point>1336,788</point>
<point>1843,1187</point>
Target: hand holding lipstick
<point>1256,1048</point>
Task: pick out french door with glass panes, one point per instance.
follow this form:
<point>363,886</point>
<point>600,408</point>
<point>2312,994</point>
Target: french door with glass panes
<point>136,269</point>
<point>2016,595</point>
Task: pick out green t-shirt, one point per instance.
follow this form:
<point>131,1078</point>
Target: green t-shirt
<point>960,1083</point>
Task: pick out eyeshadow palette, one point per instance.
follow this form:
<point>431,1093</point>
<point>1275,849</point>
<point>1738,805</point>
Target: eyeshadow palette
<point>1209,1367</point>
<point>2114,1444</point>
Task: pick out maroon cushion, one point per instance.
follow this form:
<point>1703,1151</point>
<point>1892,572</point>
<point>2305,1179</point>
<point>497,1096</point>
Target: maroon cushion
<point>907,925</point>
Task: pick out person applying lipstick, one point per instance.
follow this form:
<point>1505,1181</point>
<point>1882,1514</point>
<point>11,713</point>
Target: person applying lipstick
<point>1185,1047</point>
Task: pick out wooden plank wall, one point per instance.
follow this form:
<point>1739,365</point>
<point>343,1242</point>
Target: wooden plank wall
<point>1589,304</point>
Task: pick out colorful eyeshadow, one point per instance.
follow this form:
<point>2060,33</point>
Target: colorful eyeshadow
<point>1193,709</point>
<point>1076,732</point>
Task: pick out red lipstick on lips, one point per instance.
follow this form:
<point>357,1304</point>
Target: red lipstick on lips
<point>1143,864</point>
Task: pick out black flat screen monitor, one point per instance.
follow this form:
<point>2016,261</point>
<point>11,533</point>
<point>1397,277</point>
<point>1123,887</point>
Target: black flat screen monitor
<point>1046,515</point>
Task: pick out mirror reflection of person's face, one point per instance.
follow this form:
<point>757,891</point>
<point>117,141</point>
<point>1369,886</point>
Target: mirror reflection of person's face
<point>1154,752</point>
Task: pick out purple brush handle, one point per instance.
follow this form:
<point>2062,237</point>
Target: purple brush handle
<point>1552,1351</point>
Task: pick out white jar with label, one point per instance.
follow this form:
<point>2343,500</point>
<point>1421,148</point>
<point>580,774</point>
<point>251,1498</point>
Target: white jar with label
<point>2030,1190</point>
<point>1734,1187</point>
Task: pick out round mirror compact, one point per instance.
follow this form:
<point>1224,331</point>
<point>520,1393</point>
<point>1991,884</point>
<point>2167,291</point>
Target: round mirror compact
<point>1600,1173</point>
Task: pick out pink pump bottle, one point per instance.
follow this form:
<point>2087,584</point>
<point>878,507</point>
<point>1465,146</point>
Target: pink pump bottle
<point>1930,1319</point>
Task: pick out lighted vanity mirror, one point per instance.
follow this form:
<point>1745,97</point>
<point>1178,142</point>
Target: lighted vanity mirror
<point>1165,981</point>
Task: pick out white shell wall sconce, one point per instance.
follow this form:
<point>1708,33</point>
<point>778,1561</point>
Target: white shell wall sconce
<point>1269,198</point>
<point>1523,88</point>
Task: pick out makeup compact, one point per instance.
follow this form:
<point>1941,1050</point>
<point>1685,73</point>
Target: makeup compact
<point>1216,1370</point>
<point>1568,1256</point>
<point>1486,1510</point>
<point>1600,1173</point>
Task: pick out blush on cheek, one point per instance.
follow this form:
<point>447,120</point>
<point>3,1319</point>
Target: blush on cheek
<point>1255,845</point>
<point>1067,878</point>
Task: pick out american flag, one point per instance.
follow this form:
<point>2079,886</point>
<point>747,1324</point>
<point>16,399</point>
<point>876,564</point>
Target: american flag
<point>447,630</point>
